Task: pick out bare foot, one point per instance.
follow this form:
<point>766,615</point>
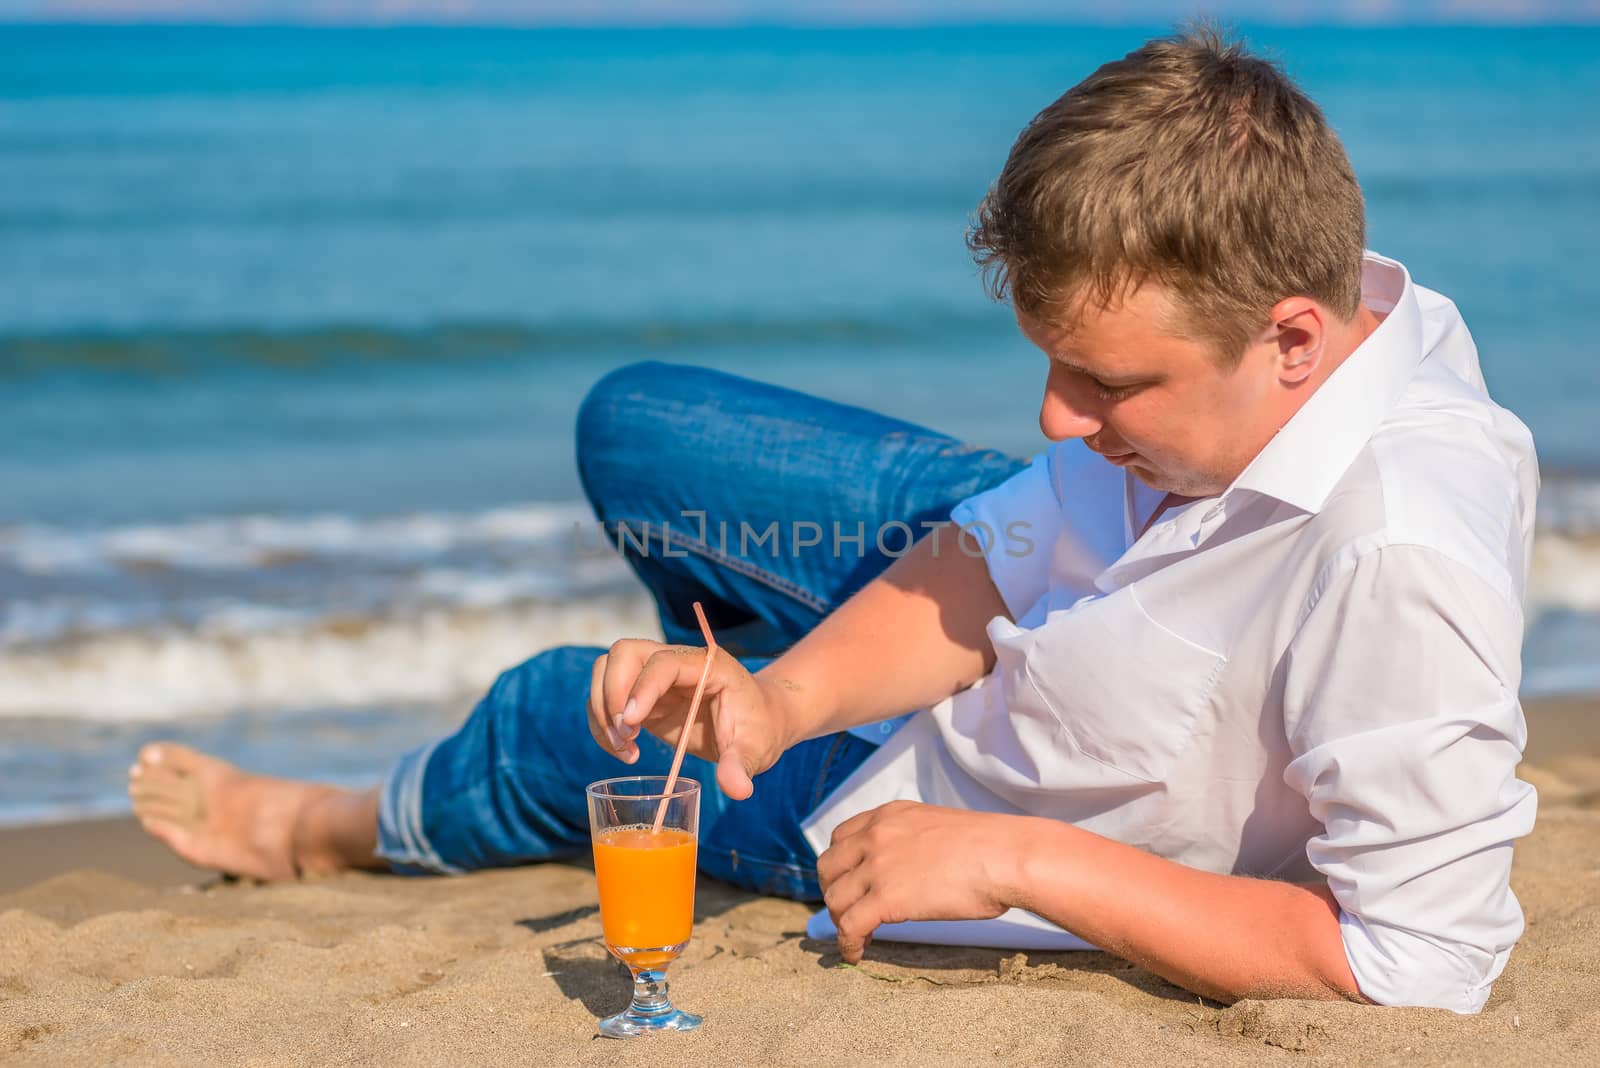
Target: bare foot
<point>214,815</point>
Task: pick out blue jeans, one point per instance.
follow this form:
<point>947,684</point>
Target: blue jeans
<point>803,502</point>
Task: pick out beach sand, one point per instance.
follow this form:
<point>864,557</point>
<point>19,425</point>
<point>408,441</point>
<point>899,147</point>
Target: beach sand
<point>134,959</point>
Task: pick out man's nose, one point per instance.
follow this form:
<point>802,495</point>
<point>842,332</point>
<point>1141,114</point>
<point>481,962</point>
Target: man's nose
<point>1067,411</point>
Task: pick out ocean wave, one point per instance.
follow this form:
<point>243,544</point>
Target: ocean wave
<point>1566,557</point>
<point>1565,571</point>
<point>229,614</point>
<point>1570,506</point>
<point>1565,576</point>
<point>336,661</point>
<point>249,659</point>
<point>251,542</point>
<point>249,613</point>
<point>167,352</point>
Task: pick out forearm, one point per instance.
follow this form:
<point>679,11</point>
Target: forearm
<point>911,637</point>
<point>1226,937</point>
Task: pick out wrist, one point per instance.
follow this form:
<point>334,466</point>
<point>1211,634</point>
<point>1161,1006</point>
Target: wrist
<point>785,703</point>
<point>1016,873</point>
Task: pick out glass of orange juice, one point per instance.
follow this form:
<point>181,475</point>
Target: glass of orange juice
<point>646,882</point>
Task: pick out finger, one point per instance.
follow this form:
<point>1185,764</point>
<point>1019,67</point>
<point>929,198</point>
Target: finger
<point>843,892</point>
<point>600,727</point>
<point>670,667</point>
<point>733,766</point>
<point>855,824</point>
<point>856,926</point>
<point>622,667</point>
<point>837,859</point>
<point>733,779</point>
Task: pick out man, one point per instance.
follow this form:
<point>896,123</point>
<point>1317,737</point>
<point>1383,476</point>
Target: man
<point>1230,689</point>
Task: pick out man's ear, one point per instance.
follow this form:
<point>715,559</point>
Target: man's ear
<point>1299,333</point>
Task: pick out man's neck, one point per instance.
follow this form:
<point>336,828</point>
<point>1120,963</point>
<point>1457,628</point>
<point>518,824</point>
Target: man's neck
<point>1345,340</point>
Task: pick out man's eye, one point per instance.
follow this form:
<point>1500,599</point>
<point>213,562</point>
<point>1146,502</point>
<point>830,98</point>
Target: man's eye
<point>1111,393</point>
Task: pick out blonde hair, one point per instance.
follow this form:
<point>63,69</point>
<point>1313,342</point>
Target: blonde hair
<point>1190,163</point>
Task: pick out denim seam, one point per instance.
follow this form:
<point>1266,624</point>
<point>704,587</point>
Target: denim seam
<point>743,567</point>
<point>827,765</point>
<point>746,859</point>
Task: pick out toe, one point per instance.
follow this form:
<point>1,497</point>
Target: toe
<point>159,788</point>
<point>148,782</point>
<point>172,835</point>
<point>159,813</point>
<point>173,763</point>
<point>179,758</point>
<point>157,802</point>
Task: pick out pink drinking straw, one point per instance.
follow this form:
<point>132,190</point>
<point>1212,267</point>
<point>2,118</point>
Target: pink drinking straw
<point>688,723</point>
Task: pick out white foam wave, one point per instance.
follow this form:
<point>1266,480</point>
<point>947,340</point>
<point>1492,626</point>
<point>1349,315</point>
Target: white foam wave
<point>243,542</point>
<point>1570,507</point>
<point>430,607</point>
<point>435,654</point>
<point>1565,575</point>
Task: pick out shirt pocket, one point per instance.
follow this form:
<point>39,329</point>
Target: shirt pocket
<point>1125,690</point>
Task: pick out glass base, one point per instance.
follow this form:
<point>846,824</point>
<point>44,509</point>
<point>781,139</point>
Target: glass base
<point>631,1024</point>
<point>651,1012</point>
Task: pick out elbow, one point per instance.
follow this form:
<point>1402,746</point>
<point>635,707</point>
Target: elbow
<point>1397,967</point>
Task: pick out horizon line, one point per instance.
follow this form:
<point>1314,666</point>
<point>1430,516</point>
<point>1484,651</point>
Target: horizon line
<point>1352,20</point>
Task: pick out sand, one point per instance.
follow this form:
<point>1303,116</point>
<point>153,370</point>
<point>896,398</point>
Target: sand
<point>507,967</point>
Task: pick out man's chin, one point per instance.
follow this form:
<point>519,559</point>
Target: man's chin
<point>1192,486</point>
<point>1149,476</point>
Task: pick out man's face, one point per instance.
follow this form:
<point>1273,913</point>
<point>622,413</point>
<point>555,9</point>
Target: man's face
<point>1157,404</point>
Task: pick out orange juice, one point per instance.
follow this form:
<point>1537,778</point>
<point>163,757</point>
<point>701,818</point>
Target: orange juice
<point>646,890</point>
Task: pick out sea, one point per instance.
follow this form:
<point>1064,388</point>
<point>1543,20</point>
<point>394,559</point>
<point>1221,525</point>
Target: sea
<point>294,323</point>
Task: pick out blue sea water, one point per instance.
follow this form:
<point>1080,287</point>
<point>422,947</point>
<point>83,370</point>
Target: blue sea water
<point>293,324</point>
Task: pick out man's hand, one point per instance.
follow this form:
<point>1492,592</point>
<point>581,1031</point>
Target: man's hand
<point>1223,936</point>
<point>645,684</point>
<point>907,861</point>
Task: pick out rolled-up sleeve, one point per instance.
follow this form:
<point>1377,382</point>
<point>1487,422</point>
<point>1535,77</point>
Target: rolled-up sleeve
<point>1016,522</point>
<point>1402,717</point>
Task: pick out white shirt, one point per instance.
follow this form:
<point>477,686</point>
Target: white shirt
<point>1314,672</point>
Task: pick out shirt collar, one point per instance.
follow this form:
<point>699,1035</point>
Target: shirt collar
<point>1305,460</point>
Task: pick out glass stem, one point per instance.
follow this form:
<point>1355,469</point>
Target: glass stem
<point>650,993</point>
